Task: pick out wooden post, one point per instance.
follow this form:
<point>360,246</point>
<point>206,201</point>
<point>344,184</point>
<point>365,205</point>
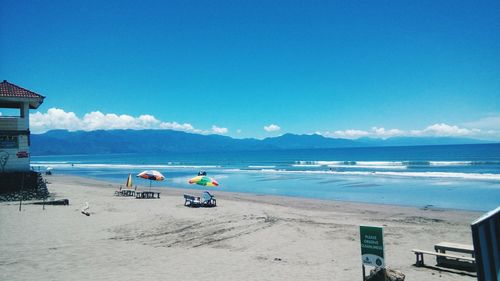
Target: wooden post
<point>21,193</point>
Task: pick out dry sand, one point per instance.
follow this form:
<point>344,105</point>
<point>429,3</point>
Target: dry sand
<point>246,237</point>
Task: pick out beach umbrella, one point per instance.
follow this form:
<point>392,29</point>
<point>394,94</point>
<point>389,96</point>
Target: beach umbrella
<point>151,175</point>
<point>203,180</point>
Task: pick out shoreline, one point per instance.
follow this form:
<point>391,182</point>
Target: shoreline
<point>249,193</point>
<point>261,237</point>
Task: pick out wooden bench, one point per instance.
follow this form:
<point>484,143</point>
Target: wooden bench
<point>442,247</point>
<point>147,195</point>
<point>191,201</point>
<point>419,254</point>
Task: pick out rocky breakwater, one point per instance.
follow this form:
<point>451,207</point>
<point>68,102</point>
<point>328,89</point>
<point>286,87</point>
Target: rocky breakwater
<point>16,186</point>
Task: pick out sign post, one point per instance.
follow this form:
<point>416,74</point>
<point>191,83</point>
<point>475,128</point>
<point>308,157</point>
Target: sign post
<point>372,246</point>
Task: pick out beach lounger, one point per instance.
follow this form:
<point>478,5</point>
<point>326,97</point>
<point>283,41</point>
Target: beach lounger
<point>208,200</point>
<point>191,201</point>
<point>125,192</point>
<point>147,195</point>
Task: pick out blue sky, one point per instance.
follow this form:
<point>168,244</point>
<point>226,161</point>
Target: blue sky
<point>338,68</point>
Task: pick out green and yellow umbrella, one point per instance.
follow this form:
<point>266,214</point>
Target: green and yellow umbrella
<point>203,180</point>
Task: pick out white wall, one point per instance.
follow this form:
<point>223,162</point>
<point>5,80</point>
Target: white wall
<point>16,124</point>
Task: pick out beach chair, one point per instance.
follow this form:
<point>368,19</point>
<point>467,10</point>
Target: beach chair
<point>191,201</point>
<point>118,192</point>
<point>128,192</point>
<point>208,200</point>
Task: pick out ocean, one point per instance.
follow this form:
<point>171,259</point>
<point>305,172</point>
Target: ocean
<point>448,176</point>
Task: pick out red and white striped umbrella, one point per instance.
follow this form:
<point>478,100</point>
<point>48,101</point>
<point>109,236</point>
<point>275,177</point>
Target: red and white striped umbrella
<point>151,175</point>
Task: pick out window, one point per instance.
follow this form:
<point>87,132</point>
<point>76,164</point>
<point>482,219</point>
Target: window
<point>9,141</point>
<point>10,112</point>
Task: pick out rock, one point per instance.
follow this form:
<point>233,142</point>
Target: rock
<point>388,274</point>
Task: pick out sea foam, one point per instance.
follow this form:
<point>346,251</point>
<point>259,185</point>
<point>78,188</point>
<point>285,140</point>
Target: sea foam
<point>466,176</point>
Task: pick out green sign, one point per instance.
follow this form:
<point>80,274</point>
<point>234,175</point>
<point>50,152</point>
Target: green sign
<point>372,245</point>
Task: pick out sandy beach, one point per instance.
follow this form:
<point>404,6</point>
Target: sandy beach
<point>246,237</point>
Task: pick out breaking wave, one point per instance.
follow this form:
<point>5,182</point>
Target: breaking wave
<point>451,175</point>
<point>392,164</point>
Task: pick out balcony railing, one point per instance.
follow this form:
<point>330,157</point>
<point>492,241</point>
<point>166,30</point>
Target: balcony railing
<point>12,123</point>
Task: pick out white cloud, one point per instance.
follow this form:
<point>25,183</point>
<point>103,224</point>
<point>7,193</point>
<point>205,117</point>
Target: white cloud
<point>178,127</point>
<point>56,118</point>
<point>218,130</point>
<point>434,130</point>
<point>375,132</point>
<point>383,133</point>
<point>445,130</point>
<point>98,121</point>
<point>347,134</point>
<point>272,128</point>
<point>487,123</point>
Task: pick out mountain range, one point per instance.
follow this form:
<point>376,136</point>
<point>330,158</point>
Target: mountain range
<point>59,142</point>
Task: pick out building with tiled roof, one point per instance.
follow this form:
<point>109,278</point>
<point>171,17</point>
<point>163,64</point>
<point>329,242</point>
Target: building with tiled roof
<point>14,126</point>
<point>10,93</point>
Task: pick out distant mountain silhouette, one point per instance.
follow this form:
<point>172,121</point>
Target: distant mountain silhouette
<point>59,142</point>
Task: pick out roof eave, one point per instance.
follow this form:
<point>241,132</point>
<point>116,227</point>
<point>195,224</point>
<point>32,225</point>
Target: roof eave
<point>37,103</point>
<point>34,103</point>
